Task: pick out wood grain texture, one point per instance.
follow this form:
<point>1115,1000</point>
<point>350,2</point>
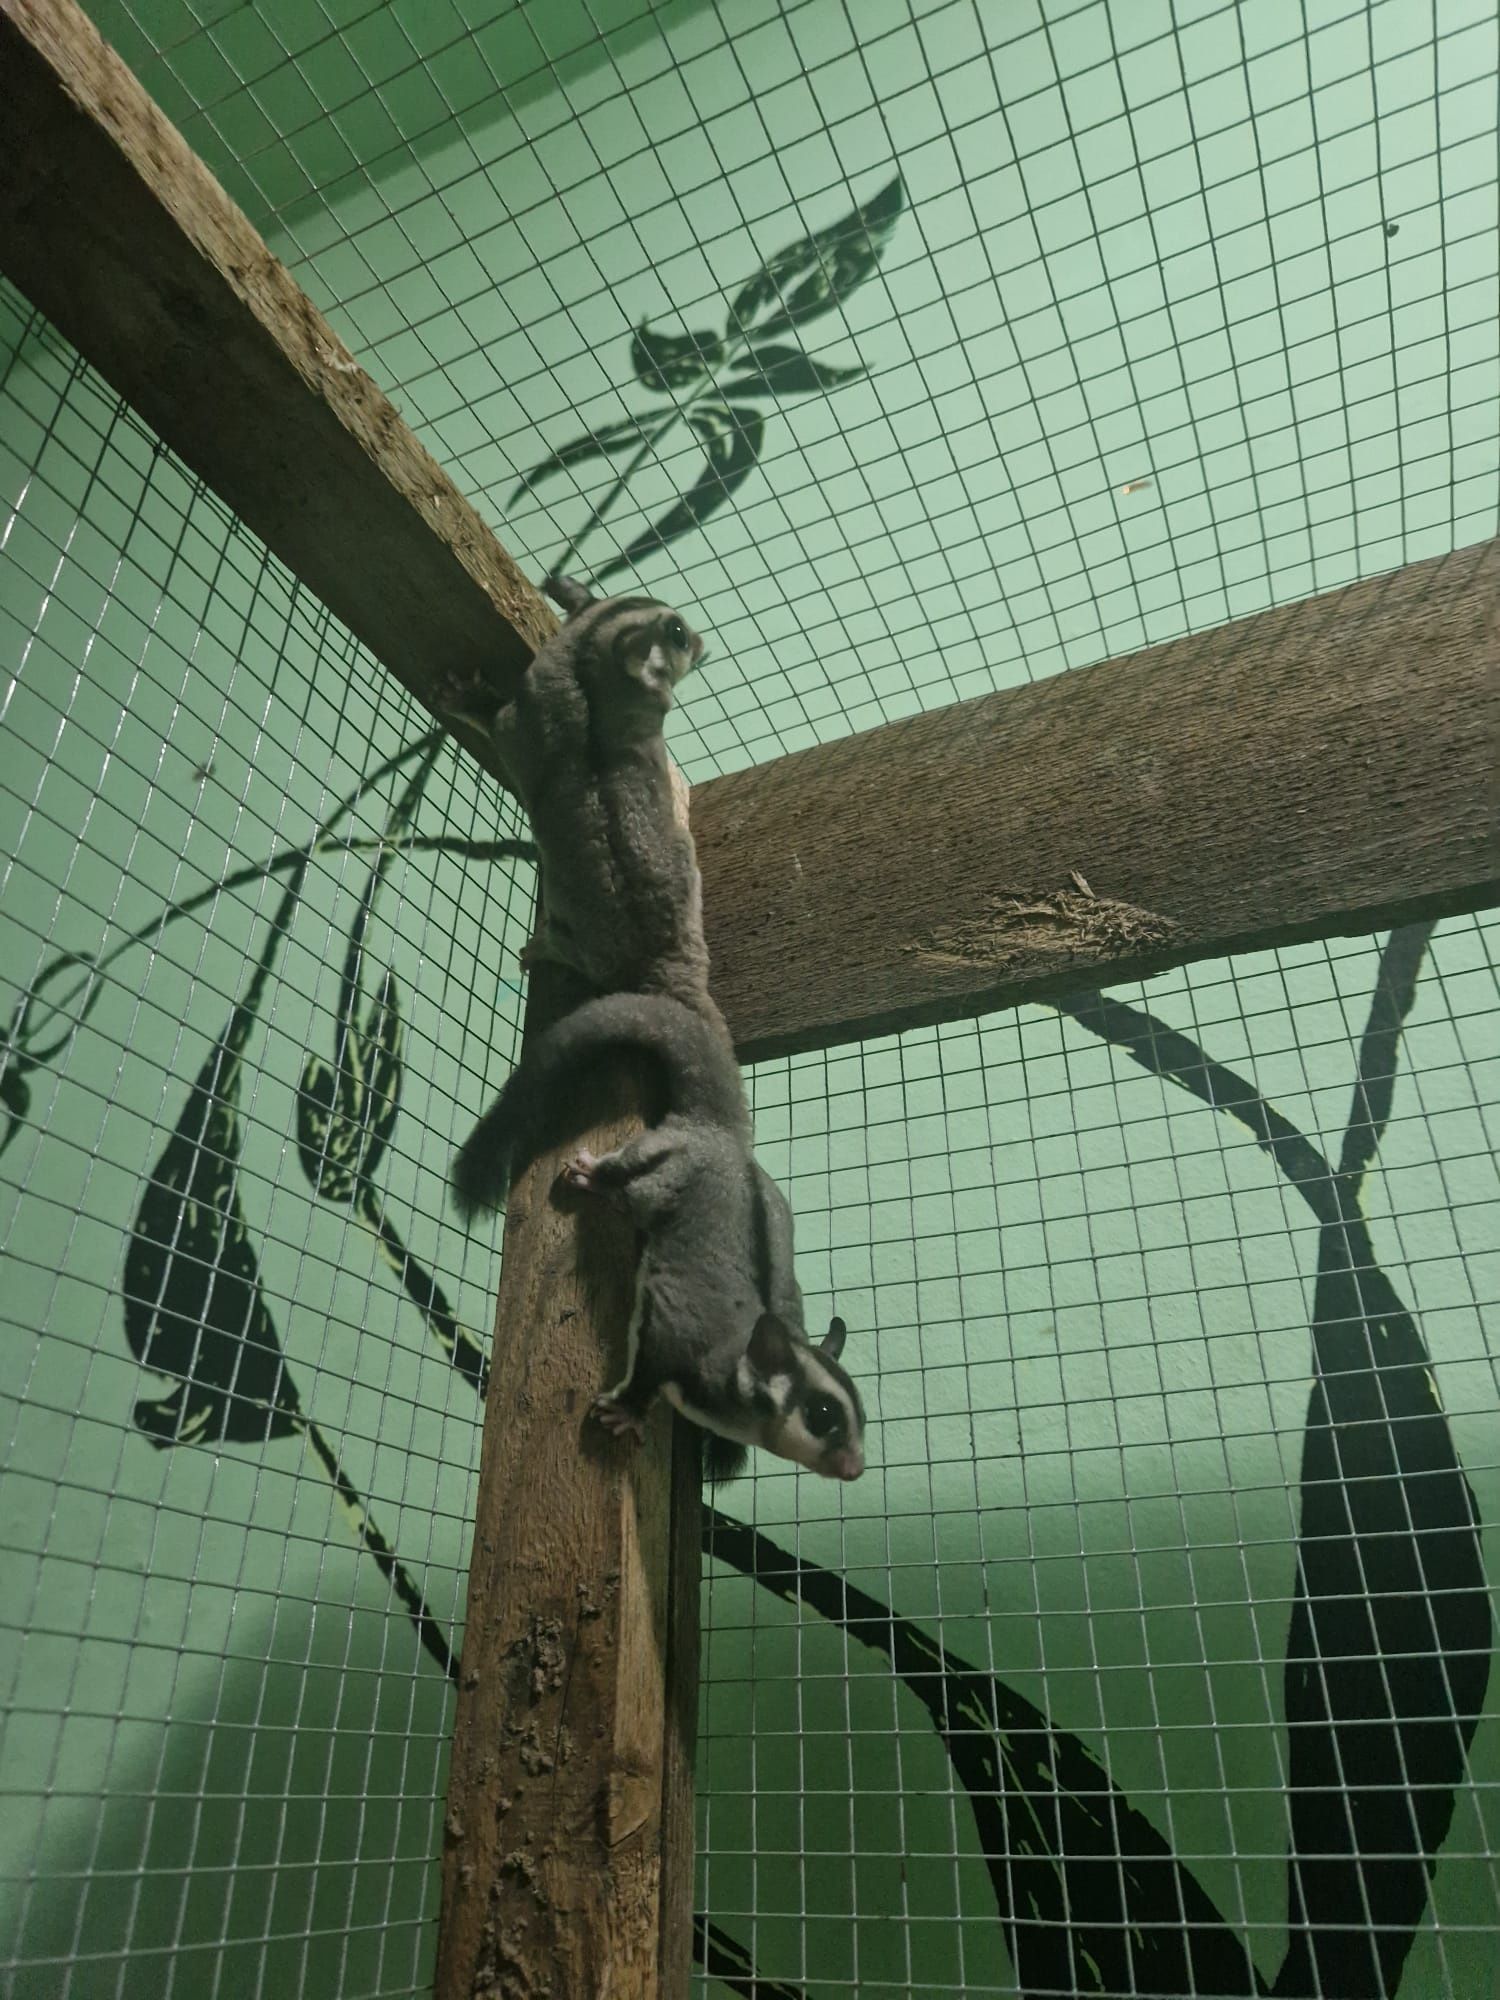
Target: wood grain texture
<point>1321,770</point>
<point>680,1741</point>
<point>119,233</point>
<point>568,1862</point>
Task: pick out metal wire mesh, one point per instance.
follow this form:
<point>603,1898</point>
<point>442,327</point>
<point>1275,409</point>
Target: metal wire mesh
<point>235,1352</point>
<point>1087,1297</point>
<point>1240,261</point>
<point>1176,312</point>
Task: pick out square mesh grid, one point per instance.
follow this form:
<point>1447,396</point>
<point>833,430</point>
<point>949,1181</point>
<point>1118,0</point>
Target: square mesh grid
<point>239,1386</point>
<point>1086,1298</point>
<point>1181,310</point>
<point>1239,261</point>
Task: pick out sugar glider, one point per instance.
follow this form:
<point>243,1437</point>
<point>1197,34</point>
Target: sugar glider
<point>717,1328</point>
<point>581,745</point>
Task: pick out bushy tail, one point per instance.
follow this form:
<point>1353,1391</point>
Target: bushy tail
<point>481,1173</point>
<point>703,1084</point>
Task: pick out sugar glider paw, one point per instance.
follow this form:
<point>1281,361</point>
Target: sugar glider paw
<point>540,950</point>
<point>617,1419</point>
<point>467,698</point>
<point>579,1173</point>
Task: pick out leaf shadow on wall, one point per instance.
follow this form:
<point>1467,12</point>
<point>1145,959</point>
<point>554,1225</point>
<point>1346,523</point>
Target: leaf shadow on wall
<point>1388,1652</point>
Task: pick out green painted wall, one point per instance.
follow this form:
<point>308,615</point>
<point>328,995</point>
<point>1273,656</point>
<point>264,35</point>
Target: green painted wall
<point>204,1679</point>
<point>1248,258</point>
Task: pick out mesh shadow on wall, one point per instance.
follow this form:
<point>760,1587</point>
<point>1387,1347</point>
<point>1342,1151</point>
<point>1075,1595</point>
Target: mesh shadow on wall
<point>1389,1648</point>
<point>716,380</point>
<point>1389,1645</point>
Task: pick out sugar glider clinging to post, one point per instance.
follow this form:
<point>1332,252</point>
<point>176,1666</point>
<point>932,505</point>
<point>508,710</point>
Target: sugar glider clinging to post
<point>581,745</point>
<point>717,1328</point>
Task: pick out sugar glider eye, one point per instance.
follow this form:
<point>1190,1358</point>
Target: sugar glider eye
<point>823,1415</point>
<point>675,634</point>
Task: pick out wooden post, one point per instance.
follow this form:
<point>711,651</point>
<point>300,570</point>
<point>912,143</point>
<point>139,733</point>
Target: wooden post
<point>567,1865</point>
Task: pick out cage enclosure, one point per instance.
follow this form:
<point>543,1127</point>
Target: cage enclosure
<point>1076,428</point>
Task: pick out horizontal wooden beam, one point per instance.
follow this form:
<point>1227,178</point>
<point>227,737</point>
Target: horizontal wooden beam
<point>1321,770</point>
<point>113,226</point>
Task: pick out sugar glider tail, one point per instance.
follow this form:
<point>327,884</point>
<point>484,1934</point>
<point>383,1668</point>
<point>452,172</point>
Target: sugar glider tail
<point>723,1459</point>
<point>702,1084</point>
<point>481,1173</point>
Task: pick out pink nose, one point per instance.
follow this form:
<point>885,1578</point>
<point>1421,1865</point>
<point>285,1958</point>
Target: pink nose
<point>846,1465</point>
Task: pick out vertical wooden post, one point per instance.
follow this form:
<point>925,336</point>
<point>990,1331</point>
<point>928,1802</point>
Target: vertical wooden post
<point>568,1856</point>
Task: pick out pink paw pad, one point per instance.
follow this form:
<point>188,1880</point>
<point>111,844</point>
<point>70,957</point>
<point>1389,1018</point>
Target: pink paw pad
<point>617,1420</point>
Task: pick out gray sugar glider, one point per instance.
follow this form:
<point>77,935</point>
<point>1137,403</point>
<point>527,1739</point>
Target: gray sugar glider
<point>581,745</point>
<point>717,1328</point>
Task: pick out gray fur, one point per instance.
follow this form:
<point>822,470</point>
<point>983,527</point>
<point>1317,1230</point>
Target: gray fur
<point>718,1325</point>
<point>703,1080</point>
<point>581,745</point>
<point>717,1301</point>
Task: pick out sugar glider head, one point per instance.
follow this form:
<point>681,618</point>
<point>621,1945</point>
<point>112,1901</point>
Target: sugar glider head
<point>632,645</point>
<point>810,1411</point>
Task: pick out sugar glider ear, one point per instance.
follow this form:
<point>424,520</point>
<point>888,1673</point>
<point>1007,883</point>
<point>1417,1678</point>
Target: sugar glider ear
<point>770,1348</point>
<point>571,595</point>
<point>832,1343</point>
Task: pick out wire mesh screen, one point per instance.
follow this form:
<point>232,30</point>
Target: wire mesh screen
<point>1136,1606</point>
<point>914,350</point>
<point>253,968</point>
<point>1135,318</point>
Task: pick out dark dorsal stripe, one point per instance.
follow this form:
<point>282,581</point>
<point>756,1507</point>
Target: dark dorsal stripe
<point>619,621</point>
<point>596,637</point>
<point>613,605</point>
<point>760,1227</point>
